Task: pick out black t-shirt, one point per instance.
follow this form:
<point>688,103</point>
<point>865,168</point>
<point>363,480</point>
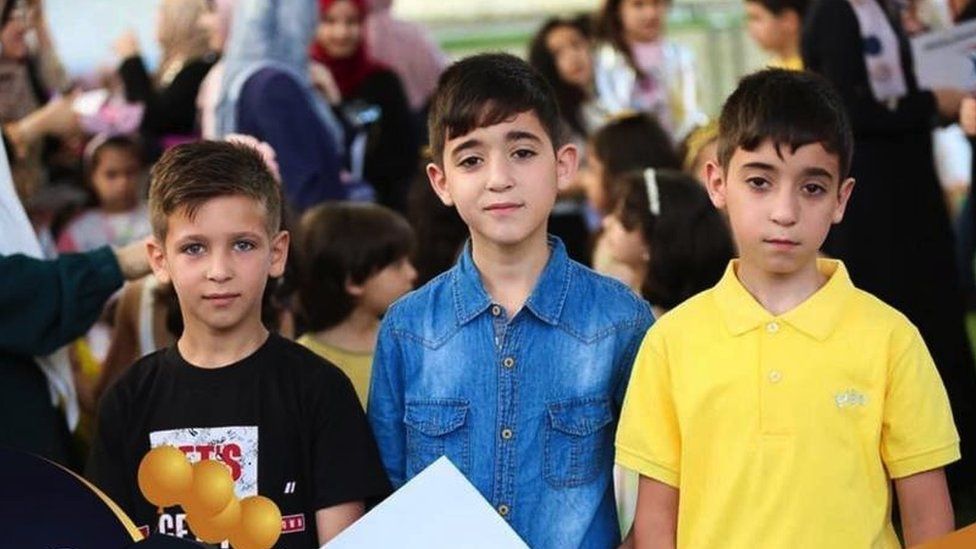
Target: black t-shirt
<point>286,422</point>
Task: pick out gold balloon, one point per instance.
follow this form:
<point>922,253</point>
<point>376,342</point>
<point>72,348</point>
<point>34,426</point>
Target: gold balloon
<point>165,476</point>
<point>260,524</point>
<point>212,489</point>
<point>217,528</point>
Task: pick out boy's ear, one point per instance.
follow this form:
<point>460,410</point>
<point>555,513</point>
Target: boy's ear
<point>279,253</point>
<point>715,183</point>
<point>157,259</point>
<point>843,195</point>
<point>353,289</point>
<point>438,180</point>
<point>567,164</point>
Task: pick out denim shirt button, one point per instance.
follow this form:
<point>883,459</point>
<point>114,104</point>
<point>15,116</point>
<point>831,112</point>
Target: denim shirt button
<point>507,434</point>
<point>503,510</point>
<point>509,362</point>
<point>496,310</point>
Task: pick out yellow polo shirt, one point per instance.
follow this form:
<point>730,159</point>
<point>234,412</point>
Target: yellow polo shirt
<point>783,431</point>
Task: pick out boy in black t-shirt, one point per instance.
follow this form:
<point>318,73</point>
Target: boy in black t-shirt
<point>286,422</point>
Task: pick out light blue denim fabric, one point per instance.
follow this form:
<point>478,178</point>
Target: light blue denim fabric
<point>526,408</point>
<point>270,34</point>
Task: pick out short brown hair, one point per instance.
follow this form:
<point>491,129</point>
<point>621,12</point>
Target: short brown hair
<point>189,175</point>
<point>487,89</point>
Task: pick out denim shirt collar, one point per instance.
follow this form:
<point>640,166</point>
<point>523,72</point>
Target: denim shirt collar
<point>545,302</point>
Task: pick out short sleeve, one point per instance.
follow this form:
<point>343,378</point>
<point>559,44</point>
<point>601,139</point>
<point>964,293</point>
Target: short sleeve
<point>917,432</point>
<point>346,462</point>
<point>648,437</point>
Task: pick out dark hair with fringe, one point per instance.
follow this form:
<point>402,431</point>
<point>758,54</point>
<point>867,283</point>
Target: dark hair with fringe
<point>790,108</point>
<point>487,89</point>
<point>778,7</point>
<point>341,243</point>
<point>689,240</point>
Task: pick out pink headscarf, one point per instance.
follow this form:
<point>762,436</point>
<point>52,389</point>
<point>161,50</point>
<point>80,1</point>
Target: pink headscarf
<point>406,48</point>
<point>351,71</point>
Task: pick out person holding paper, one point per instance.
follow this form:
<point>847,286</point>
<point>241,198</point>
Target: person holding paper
<point>514,362</point>
<point>895,238</point>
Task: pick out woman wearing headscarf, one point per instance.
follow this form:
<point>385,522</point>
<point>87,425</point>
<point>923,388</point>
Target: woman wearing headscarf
<point>407,48</point>
<point>369,90</point>
<point>169,96</point>
<point>895,238</point>
<point>266,92</point>
<point>29,76</point>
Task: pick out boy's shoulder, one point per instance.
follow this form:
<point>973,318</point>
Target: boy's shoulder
<point>293,364</point>
<point>595,302</point>
<point>590,305</point>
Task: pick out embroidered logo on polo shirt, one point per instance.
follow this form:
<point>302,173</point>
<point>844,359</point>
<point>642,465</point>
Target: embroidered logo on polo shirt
<point>850,398</point>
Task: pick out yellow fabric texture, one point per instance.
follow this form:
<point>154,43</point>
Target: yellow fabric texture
<point>356,366</point>
<point>784,431</point>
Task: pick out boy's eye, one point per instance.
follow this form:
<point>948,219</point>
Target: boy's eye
<point>524,153</point>
<point>192,249</point>
<point>814,189</point>
<point>244,245</point>
<point>469,162</point>
<point>757,182</point>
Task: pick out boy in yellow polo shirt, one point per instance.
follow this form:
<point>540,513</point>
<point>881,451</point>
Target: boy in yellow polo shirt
<point>773,409</point>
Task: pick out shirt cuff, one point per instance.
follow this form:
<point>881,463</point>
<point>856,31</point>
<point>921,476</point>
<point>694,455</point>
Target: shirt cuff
<point>932,459</point>
<point>646,468</point>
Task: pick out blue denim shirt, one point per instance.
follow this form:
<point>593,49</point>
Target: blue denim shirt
<point>525,407</point>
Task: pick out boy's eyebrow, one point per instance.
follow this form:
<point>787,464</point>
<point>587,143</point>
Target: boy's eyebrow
<point>759,166</point>
<point>515,135</point>
<point>464,145</point>
<point>815,171</point>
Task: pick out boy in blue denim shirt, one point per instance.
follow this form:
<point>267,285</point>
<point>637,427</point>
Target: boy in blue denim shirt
<point>514,362</point>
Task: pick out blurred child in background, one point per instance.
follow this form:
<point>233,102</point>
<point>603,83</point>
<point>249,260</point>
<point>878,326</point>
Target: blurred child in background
<point>114,170</point>
<point>355,264</point>
<point>637,68</point>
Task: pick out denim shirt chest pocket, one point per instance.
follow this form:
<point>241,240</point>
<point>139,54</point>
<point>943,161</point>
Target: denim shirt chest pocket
<point>435,428</point>
<point>577,444</point>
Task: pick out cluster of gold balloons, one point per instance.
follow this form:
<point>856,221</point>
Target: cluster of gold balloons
<point>205,490</point>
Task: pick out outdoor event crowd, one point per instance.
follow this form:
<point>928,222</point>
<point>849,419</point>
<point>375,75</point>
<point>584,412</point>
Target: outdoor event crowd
<point>389,246</point>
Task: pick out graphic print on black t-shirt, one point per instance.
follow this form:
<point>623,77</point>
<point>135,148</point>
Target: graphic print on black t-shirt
<point>287,423</point>
<point>236,447</point>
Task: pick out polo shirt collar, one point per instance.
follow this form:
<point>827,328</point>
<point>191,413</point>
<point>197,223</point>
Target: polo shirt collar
<point>817,316</point>
<point>545,302</point>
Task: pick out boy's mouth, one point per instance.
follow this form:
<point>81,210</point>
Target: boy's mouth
<point>785,243</point>
<point>503,207</point>
<point>221,299</point>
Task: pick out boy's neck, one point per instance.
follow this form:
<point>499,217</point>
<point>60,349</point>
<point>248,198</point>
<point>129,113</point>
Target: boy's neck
<point>357,333</point>
<point>204,347</point>
<point>790,50</point>
<point>780,293</point>
<point>510,273</point>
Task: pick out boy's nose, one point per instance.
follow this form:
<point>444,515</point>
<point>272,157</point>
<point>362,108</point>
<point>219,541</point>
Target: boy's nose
<point>219,269</point>
<point>785,209</point>
<point>499,176</point>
